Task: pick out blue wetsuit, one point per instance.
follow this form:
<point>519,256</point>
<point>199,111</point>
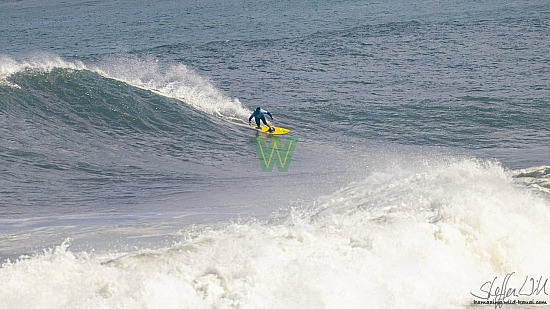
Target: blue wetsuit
<point>260,115</point>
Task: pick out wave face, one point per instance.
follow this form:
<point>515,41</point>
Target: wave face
<point>80,129</point>
<point>393,239</point>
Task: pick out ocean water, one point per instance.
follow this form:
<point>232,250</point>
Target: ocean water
<point>128,178</point>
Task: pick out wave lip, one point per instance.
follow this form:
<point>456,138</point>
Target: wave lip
<point>9,66</point>
<point>175,81</point>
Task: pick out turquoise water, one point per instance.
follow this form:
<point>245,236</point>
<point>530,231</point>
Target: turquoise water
<point>422,134</point>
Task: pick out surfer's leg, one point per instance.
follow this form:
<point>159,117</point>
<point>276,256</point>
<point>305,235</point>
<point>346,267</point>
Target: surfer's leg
<point>271,128</point>
<point>258,122</point>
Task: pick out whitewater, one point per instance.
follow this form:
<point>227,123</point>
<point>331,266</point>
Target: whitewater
<point>393,239</point>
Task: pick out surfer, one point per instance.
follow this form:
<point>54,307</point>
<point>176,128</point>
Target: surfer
<point>259,114</point>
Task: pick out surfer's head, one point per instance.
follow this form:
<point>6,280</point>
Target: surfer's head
<point>258,108</point>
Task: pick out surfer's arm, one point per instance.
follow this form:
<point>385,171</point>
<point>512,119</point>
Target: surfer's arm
<point>269,114</point>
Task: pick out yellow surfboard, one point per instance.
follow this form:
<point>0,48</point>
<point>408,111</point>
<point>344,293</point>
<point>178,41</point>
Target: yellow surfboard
<point>278,130</point>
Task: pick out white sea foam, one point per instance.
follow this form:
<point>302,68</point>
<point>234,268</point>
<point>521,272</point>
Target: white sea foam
<point>537,177</point>
<point>175,81</point>
<point>409,236</point>
<point>9,66</point>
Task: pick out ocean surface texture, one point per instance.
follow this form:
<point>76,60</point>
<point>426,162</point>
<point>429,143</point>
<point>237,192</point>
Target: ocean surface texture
<point>129,178</point>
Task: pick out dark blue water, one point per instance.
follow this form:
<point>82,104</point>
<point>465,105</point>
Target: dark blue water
<point>121,129</point>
